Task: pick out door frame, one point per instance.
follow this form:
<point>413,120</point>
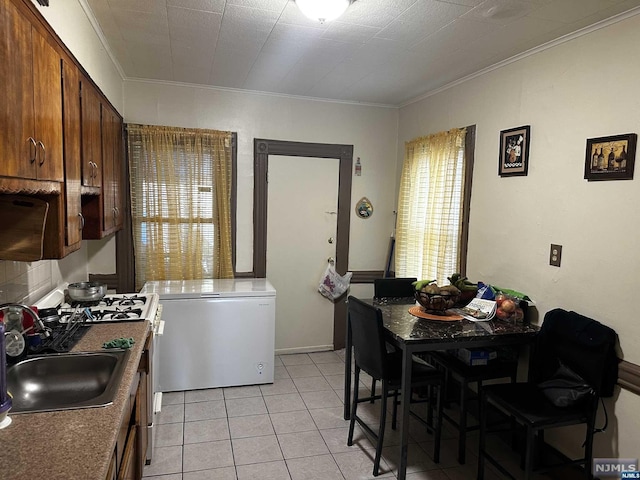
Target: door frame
<point>262,148</point>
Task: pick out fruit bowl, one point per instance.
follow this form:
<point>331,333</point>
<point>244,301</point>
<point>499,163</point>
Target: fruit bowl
<point>436,303</point>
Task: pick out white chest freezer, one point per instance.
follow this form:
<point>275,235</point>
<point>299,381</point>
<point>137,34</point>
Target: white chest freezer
<point>218,333</point>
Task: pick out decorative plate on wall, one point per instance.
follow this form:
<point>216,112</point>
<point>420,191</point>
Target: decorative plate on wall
<point>364,208</point>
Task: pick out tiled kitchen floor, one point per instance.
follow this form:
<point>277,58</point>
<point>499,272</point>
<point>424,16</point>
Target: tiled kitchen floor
<point>293,429</point>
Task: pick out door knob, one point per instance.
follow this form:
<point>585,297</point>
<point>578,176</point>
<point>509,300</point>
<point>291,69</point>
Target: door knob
<point>330,240</point>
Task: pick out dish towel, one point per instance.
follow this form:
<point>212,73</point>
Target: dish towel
<point>119,343</point>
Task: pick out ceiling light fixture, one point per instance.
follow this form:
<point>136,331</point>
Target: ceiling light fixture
<point>323,10</point>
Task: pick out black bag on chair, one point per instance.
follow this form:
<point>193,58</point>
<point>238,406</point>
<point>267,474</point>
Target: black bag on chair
<point>566,388</point>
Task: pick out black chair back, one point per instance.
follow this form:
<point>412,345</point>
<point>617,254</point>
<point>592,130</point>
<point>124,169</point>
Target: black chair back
<point>367,333</point>
<point>584,345</point>
<point>393,287</point>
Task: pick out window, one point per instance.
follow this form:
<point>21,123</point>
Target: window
<point>181,197</point>
<point>433,205</point>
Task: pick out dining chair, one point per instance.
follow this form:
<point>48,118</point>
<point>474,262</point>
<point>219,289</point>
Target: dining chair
<point>391,288</point>
<point>567,341</point>
<point>371,356</point>
<point>465,376</point>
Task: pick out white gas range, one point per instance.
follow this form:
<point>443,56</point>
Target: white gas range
<point>130,307</point>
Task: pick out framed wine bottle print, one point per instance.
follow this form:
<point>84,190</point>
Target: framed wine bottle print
<point>610,158</point>
<point>514,151</point>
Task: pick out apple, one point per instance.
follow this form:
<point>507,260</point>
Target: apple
<point>508,305</point>
<point>502,315</point>
<point>501,297</point>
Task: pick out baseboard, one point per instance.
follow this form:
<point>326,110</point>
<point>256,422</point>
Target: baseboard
<point>317,348</point>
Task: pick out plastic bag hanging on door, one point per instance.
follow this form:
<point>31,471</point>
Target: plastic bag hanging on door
<point>332,284</point>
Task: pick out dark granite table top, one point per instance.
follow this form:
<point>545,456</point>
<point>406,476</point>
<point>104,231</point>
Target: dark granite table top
<point>405,328</point>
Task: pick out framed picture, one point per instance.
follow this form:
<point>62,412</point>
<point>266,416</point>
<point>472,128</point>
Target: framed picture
<point>514,151</point>
<point>610,158</point>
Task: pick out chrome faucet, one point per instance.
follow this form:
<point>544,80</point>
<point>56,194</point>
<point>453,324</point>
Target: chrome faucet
<point>44,331</point>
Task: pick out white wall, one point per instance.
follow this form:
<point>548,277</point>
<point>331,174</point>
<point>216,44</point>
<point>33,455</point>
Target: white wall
<point>581,89</point>
<point>371,130</point>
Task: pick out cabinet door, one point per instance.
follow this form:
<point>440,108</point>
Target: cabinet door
<point>17,145</point>
<point>71,116</point>
<point>91,136</point>
<point>47,102</point>
<point>108,172</point>
<point>118,163</point>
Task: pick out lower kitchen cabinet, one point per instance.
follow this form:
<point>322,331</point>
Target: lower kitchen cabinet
<point>128,459</point>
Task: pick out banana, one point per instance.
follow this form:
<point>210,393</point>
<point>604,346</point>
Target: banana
<point>420,284</point>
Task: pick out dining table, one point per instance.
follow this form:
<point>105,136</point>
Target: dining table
<point>412,335</point>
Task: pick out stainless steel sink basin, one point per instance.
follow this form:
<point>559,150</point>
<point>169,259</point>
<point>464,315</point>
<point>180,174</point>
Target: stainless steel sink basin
<point>66,381</point>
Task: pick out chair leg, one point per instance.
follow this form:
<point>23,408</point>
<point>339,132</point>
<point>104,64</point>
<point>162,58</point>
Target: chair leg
<point>354,406</point>
<point>438,429</point>
<point>462,423</point>
<point>530,452</point>
<point>373,390</point>
<point>383,419</point>
<point>394,416</point>
<point>481,438</point>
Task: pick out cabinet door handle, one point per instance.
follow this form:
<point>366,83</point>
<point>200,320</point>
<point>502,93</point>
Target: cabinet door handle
<point>44,154</point>
<point>35,150</point>
<point>81,220</point>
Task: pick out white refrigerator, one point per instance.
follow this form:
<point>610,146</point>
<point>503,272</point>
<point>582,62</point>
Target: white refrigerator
<point>218,333</point>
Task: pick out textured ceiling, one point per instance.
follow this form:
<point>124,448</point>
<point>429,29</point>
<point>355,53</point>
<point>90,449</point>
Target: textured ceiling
<point>380,51</point>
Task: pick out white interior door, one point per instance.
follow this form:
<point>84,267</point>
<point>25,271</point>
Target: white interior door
<point>302,205</point>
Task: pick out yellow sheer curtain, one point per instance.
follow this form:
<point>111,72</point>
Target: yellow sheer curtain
<point>430,203</point>
<point>180,202</point>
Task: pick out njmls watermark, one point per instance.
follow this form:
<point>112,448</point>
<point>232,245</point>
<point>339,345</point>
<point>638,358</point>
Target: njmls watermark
<point>616,467</point>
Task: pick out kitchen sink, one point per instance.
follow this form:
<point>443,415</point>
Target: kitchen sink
<point>66,381</point>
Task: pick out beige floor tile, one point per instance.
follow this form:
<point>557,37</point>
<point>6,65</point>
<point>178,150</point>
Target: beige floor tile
<point>298,371</point>
<point>256,450</point>
<point>250,426</point>
<point>417,459</point>
<point>296,359</point>
<point>359,465</point>
<point>322,467</point>
<point>325,357</point>
<point>204,411</point>
<point>174,476</point>
<point>225,473</point>
<point>241,392</point>
<point>277,361</point>
<point>239,407</point>
<point>203,395</point>
<point>169,434</point>
<point>172,398</point>
<point>206,431</point>
<point>428,475</point>
<point>336,439</point>
<point>287,402</point>
<point>335,368</point>
<point>322,399</point>
<point>280,372</point>
<point>207,455</point>
<point>336,381</point>
<point>166,460</point>
<point>311,384</point>
<point>328,417</point>
<point>173,413</point>
<point>290,422</point>
<point>278,387</point>
<point>302,444</point>
<point>264,471</point>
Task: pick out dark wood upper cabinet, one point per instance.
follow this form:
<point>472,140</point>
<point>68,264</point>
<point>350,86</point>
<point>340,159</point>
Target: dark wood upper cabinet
<point>91,135</point>
<point>31,120</point>
<point>60,138</point>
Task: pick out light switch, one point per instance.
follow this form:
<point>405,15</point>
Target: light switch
<point>555,255</point>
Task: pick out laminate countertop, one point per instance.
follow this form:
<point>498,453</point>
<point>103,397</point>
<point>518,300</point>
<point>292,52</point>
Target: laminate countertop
<point>72,444</point>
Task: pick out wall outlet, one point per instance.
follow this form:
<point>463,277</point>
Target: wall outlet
<point>555,255</point>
